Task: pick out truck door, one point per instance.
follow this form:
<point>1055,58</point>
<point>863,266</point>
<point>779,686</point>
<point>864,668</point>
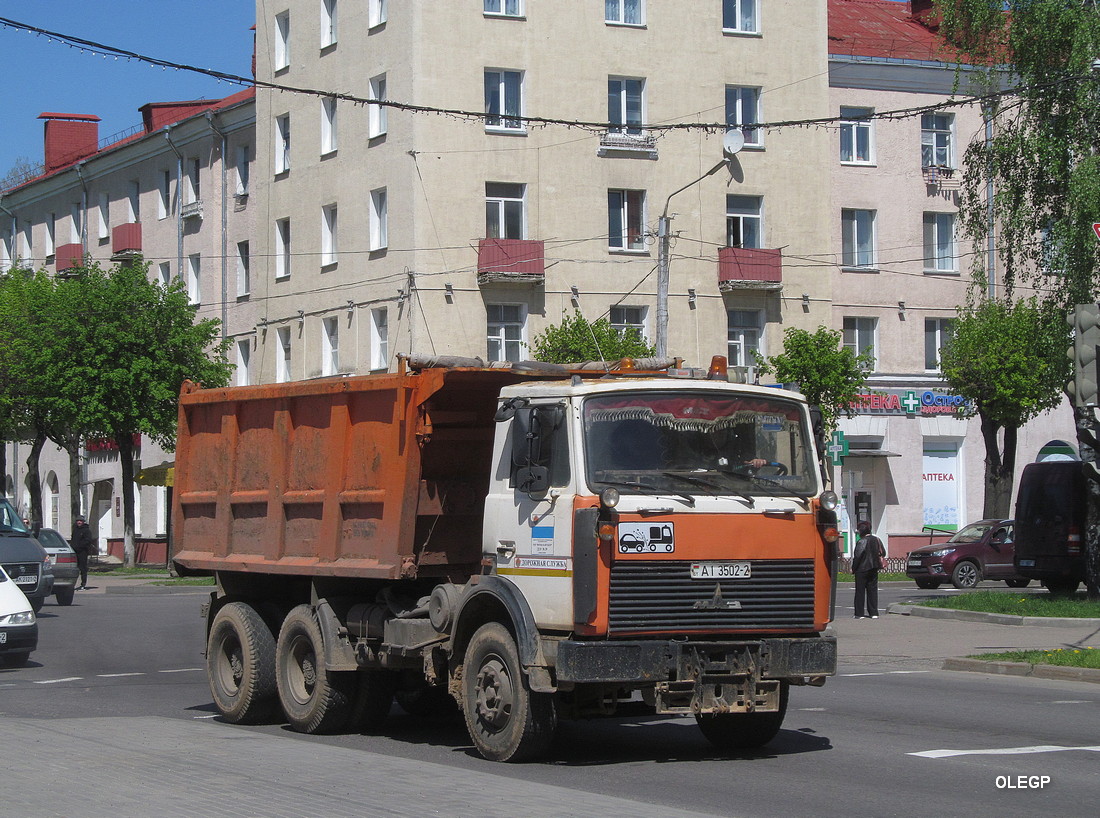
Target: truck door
<point>528,510</point>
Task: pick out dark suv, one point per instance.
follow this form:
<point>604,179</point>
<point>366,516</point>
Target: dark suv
<point>1051,507</point>
<point>981,550</point>
<point>24,560</point>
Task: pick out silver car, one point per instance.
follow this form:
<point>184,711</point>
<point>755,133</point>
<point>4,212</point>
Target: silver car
<point>63,564</point>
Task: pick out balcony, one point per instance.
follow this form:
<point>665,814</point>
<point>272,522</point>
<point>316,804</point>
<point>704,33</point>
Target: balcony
<point>510,261</point>
<point>68,257</point>
<point>620,143</point>
<point>192,210</point>
<point>126,241</point>
<point>942,177</point>
<point>743,268</point>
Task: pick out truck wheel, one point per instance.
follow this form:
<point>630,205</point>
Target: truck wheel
<point>373,699</point>
<point>314,699</point>
<point>1017,583</point>
<point>744,731</point>
<point>1061,587</point>
<point>506,720</point>
<point>240,664</point>
<point>65,596</point>
<point>966,575</point>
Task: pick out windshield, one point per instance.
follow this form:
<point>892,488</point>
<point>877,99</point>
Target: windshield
<point>9,520</point>
<point>972,533</point>
<point>698,443</point>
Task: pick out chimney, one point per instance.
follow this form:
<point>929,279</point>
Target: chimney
<point>923,12</point>
<point>69,138</point>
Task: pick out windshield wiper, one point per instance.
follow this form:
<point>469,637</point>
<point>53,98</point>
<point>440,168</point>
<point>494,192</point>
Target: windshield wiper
<point>767,483</point>
<point>687,498</point>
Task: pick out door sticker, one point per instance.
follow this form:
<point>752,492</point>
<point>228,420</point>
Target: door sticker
<point>542,539</point>
<point>646,538</point>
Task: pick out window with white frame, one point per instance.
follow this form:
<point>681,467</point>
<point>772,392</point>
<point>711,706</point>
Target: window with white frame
<point>282,249</point>
<point>856,135</point>
<point>857,238</point>
<point>504,210</point>
<point>282,143</point>
<point>282,355</point>
<point>628,321</point>
<point>133,203</point>
<point>242,168</point>
<point>282,40</point>
<point>503,8</point>
<point>940,253</point>
<point>741,16</point>
<point>936,142</point>
<point>103,231</point>
<point>505,331</point>
<point>194,270</point>
<point>743,331</point>
<point>376,114</point>
<point>191,191</point>
<point>377,12</point>
<point>328,125</point>
<point>744,221</point>
<point>379,229</point>
<point>937,332</point>
<point>503,100</point>
<point>328,23</point>
<point>244,269</point>
<point>164,273</point>
<point>379,338</point>
<point>164,195</point>
<point>625,101</point>
<point>330,345</point>
<point>51,234</point>
<point>624,12</point>
<point>859,337</point>
<point>743,112</point>
<point>244,357</point>
<point>76,224</point>
<point>626,219</point>
<point>328,235</point>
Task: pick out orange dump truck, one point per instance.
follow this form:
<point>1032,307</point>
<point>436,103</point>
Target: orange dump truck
<point>531,543</point>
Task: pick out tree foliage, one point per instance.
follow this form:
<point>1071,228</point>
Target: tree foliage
<point>576,339</point>
<point>827,373</point>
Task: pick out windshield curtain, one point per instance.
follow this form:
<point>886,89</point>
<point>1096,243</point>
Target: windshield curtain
<point>698,442</point>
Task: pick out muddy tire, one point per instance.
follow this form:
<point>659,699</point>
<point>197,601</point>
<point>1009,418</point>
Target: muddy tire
<point>314,699</point>
<point>744,731</point>
<point>240,665</point>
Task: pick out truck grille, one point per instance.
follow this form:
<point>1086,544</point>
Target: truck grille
<point>21,570</point>
<point>661,595</point>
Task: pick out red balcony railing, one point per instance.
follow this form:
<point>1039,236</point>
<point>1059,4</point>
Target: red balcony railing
<point>742,268</point>
<point>126,239</point>
<point>511,260</point>
<point>67,257</point>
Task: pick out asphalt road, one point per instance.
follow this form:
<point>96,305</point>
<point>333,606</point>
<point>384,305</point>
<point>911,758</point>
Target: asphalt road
<point>117,694</point>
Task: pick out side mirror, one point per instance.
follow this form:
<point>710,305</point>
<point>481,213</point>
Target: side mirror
<point>532,431</point>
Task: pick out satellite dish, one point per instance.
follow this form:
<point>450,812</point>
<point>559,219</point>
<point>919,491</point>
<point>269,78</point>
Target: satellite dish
<point>732,142</point>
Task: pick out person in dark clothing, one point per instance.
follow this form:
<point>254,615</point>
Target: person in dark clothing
<point>82,542</point>
<point>867,560</point>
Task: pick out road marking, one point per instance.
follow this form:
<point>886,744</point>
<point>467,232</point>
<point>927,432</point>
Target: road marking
<point>811,709</point>
<point>211,716</point>
<point>181,670</point>
<point>1074,701</point>
<point>116,675</point>
<point>56,681</point>
<point>885,673</point>
<point>1003,751</point>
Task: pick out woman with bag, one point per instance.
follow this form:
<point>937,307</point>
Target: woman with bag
<point>868,559</point>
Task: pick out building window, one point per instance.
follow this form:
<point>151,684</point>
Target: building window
<point>282,40</point>
<point>282,351</point>
<point>328,125</point>
<point>191,191</point>
<point>244,270</point>
<point>940,255</point>
<point>624,12</point>
<point>858,238</point>
<point>744,222</point>
<point>244,355</point>
<point>503,8</point>
<point>377,12</point>
<point>194,269</point>
<point>51,229</point>
<point>743,330</point>
<point>740,16</point>
<point>859,337</point>
<point>104,228</point>
<point>328,235</point>
<point>628,321</point>
<point>625,98</point>
<point>164,273</point>
<point>504,217</point>
<point>328,23</point>
<point>505,331</point>
<point>936,147</point>
<point>330,346</point>
<point>376,114</point>
<point>282,143</point>
<point>937,332</point>
<point>856,146</point>
<point>503,100</point>
<point>76,224</point>
<point>743,111</point>
<point>164,195</point>
<point>242,170</point>
<point>282,248</point>
<point>626,219</point>
<point>379,339</point>
<point>379,220</point>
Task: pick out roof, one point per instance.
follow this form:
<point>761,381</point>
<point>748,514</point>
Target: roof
<point>884,29</point>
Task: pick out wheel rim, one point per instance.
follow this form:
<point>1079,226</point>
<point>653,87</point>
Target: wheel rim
<point>302,670</point>
<point>230,666</point>
<point>968,575</point>
<point>495,694</point>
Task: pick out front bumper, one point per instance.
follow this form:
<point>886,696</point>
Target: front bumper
<point>929,569</point>
<point>18,637</point>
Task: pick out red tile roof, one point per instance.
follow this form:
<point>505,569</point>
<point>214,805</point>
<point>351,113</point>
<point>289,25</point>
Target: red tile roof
<point>885,29</point>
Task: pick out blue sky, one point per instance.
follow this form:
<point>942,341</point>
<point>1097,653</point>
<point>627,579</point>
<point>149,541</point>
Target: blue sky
<point>40,75</point>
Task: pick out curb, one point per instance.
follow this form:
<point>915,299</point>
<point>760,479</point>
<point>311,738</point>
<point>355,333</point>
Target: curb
<point>1070,674</point>
<point>149,588</point>
<point>992,618</point>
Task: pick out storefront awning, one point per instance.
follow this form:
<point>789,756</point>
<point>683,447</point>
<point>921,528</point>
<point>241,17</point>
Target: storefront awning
<point>871,453</point>
<point>162,475</point>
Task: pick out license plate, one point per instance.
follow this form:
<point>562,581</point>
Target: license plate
<point>915,563</point>
<point>26,579</point>
<point>1027,563</point>
<point>721,570</point>
<point>3,637</point>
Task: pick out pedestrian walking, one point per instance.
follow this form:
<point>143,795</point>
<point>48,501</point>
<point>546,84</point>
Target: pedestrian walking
<point>868,558</point>
<point>82,542</point>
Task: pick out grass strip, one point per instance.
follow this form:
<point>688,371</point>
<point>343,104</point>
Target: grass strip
<point>1037,604</point>
<point>1063,657</point>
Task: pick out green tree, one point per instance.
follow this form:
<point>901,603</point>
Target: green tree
<point>830,375</point>
<point>1009,360</point>
<point>575,339</point>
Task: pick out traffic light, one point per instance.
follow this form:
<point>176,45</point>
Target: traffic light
<point>1084,389</point>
